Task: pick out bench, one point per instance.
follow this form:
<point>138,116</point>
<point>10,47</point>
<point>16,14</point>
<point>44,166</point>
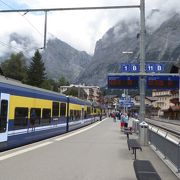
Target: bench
<point>127,131</point>
<point>134,145</point>
<point>144,170</point>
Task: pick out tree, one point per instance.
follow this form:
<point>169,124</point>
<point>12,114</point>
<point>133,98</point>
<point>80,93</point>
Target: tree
<point>47,85</point>
<point>50,84</point>
<point>73,91</point>
<point>63,82</point>
<point>15,67</point>
<point>36,71</point>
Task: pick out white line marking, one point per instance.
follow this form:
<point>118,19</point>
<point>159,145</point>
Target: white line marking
<point>24,151</point>
<point>45,143</point>
<point>78,132</point>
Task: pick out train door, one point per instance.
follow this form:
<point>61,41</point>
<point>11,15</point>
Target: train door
<point>4,109</point>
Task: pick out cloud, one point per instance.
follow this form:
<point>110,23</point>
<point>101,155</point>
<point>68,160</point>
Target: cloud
<point>81,29</point>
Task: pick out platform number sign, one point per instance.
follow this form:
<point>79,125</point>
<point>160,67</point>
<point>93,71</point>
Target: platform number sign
<point>154,67</point>
<point>159,67</point>
<point>135,67</point>
<point>125,68</point>
<point>130,67</point>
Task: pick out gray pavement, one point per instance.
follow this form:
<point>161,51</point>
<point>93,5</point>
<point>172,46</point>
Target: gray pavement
<point>99,153</point>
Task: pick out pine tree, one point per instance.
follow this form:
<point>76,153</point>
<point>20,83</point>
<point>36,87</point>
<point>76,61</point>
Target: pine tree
<point>63,82</point>
<point>36,71</point>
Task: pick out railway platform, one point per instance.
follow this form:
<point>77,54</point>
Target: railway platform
<point>95,152</point>
<point>126,157</point>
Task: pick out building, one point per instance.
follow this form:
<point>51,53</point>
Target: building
<point>163,100</point>
<point>111,102</point>
<point>94,93</point>
<point>151,109</point>
<point>173,112</point>
<point>168,100</point>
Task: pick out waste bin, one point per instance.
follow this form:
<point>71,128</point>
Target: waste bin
<point>143,133</point>
<point>135,126</point>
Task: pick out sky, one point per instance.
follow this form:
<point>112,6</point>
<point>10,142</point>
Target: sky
<point>80,29</point>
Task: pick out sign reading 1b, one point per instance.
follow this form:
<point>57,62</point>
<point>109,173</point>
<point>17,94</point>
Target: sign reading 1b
<point>134,67</point>
<point>123,82</point>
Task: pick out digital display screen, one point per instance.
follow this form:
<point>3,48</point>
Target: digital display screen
<point>163,82</point>
<point>123,82</point>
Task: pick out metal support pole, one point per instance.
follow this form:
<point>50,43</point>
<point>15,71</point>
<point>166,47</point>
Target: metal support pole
<point>67,121</point>
<point>125,100</point>
<point>45,29</point>
<point>142,61</point>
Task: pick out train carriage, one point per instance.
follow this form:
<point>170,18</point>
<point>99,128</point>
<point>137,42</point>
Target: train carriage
<point>54,113</point>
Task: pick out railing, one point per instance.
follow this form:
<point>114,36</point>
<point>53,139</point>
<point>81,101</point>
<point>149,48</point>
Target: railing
<point>167,142</point>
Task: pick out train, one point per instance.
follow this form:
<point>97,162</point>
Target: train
<point>29,114</point>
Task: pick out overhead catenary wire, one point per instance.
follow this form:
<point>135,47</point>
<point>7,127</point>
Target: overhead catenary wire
<point>23,15</point>
<point>15,48</point>
<point>67,9</point>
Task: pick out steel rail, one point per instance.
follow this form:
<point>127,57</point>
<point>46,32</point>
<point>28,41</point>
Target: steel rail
<point>164,121</point>
<point>172,131</point>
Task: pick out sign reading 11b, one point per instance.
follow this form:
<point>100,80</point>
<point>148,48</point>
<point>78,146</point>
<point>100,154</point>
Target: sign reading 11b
<point>135,67</point>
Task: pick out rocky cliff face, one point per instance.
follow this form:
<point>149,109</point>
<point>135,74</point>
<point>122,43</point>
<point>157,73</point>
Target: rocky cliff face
<point>63,60</point>
<point>164,43</point>
<point>161,45</point>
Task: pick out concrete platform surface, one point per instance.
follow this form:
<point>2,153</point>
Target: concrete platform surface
<point>95,152</point>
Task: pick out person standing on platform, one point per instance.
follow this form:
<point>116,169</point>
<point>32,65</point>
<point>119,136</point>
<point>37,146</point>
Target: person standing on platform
<point>126,119</point>
<point>114,117</point>
<point>122,122</point>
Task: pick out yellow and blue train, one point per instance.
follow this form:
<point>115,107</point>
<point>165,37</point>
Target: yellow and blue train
<point>29,114</point>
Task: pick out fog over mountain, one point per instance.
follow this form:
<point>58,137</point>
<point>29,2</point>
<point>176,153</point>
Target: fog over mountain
<point>163,44</point>
<point>61,59</point>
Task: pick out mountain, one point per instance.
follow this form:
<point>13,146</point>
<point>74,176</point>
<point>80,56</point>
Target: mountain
<point>163,44</point>
<point>60,59</point>
<point>63,60</point>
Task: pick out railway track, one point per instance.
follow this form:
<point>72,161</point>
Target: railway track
<point>172,127</point>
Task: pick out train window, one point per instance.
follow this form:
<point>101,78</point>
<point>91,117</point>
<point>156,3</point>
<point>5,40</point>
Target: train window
<point>94,110</point>
<point>88,110</point>
<point>38,115</point>
<point>75,114</point>
<point>21,117</point>
<point>63,109</point>
<point>71,115</point>
<point>55,109</point>
<point>79,115</point>
<point>46,116</point>
<point>3,116</point>
<point>85,114</point>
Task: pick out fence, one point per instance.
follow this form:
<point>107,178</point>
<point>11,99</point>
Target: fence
<point>167,144</point>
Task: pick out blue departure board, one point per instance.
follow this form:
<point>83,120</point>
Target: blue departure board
<point>123,82</point>
<point>163,82</point>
